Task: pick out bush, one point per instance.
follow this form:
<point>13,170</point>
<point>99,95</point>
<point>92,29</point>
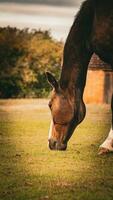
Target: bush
<point>24,57</point>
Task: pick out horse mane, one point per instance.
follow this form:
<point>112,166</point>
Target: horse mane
<point>84,19</point>
<point>78,40</point>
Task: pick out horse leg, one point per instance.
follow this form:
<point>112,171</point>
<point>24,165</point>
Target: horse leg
<point>107,145</point>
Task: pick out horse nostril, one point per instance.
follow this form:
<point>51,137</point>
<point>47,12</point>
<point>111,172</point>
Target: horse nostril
<point>55,145</point>
<point>52,144</point>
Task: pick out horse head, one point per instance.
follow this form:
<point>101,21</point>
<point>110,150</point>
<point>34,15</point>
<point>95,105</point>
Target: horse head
<point>67,111</point>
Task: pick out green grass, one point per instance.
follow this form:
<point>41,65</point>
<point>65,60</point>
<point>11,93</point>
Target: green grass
<point>30,171</point>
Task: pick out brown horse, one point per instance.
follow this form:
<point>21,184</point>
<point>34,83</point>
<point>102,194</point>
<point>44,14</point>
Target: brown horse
<point>91,32</point>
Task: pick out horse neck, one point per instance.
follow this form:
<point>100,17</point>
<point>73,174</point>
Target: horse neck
<point>75,65</point>
<point>73,74</point>
<point>77,49</point>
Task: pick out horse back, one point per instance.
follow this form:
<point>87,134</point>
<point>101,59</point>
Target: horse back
<point>102,30</point>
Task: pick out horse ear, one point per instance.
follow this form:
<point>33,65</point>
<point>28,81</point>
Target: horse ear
<point>52,81</point>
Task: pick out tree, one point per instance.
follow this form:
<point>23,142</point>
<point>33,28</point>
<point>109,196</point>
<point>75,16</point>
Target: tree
<point>24,57</point>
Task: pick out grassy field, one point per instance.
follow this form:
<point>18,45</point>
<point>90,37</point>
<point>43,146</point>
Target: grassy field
<point>30,171</point>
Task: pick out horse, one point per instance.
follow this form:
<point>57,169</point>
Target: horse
<point>91,32</point>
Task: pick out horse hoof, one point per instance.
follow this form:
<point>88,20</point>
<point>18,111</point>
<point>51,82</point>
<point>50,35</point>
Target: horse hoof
<point>103,151</point>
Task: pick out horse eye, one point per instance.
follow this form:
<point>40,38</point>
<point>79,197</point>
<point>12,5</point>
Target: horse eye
<point>50,104</point>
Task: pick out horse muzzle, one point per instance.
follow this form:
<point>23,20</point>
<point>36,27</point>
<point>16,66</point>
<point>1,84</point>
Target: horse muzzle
<point>56,145</point>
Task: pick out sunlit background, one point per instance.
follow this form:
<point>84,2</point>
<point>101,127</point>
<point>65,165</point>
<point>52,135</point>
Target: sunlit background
<point>54,15</point>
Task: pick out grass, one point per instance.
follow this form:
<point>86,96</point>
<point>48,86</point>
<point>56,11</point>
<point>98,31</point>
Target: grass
<point>30,171</point>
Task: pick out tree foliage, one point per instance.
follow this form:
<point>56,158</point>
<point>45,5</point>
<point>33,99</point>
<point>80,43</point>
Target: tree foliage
<point>24,57</point>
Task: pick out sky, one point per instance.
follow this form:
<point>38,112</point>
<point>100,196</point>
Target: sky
<point>54,15</point>
<point>49,2</point>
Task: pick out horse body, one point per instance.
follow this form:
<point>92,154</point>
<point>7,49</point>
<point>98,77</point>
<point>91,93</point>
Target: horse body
<point>102,32</point>
<point>91,32</point>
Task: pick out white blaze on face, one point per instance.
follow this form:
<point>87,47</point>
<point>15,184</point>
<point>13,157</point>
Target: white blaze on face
<point>50,130</point>
<point>108,143</point>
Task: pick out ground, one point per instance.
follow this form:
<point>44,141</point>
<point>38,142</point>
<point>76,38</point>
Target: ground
<point>30,171</point>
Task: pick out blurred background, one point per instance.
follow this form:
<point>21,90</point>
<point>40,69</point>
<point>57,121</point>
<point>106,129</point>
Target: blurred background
<point>32,36</point>
<point>55,15</point>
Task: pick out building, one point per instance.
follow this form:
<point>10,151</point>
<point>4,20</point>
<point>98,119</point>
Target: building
<point>99,84</point>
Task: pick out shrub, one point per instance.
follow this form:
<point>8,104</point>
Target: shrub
<point>24,57</point>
